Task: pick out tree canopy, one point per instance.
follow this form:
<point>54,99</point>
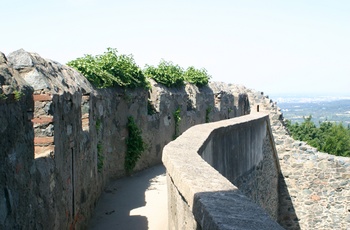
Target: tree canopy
<point>328,137</point>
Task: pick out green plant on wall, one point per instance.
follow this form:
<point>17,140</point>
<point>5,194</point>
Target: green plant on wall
<point>177,119</point>
<point>229,110</point>
<point>100,157</point>
<point>199,77</point>
<point>173,75</point>
<point>17,95</point>
<point>111,69</point>
<point>207,113</point>
<point>134,145</point>
<point>3,96</point>
<point>98,125</point>
<point>166,73</point>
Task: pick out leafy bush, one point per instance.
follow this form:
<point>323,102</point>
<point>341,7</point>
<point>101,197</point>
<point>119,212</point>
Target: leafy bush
<point>199,77</point>
<point>166,73</point>
<point>134,144</point>
<point>110,69</point>
<point>171,75</point>
<point>328,137</point>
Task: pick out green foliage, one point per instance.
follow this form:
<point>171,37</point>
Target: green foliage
<point>18,95</point>
<point>172,75</point>
<point>134,144</point>
<point>100,157</point>
<point>328,137</point>
<point>229,110</point>
<point>3,96</point>
<point>98,125</point>
<point>110,69</point>
<point>177,119</point>
<point>207,112</point>
<point>199,77</point>
<point>166,73</point>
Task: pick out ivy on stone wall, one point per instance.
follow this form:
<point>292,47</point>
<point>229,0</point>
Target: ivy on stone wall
<point>134,145</point>
<point>100,157</point>
<point>17,95</point>
<point>177,119</point>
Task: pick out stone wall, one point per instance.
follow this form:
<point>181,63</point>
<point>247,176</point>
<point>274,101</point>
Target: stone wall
<point>201,197</point>
<point>55,128</point>
<point>62,140</point>
<point>245,154</point>
<point>315,186</point>
<point>17,206</point>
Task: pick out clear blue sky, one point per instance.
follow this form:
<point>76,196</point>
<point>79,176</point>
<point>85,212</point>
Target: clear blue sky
<point>299,46</point>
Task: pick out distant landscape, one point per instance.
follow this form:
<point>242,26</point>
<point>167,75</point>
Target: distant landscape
<point>333,109</point>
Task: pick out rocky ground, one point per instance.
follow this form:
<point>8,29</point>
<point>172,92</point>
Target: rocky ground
<point>318,184</point>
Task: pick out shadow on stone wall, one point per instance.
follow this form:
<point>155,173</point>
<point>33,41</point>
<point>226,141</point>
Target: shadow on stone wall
<point>287,216</point>
<point>231,208</point>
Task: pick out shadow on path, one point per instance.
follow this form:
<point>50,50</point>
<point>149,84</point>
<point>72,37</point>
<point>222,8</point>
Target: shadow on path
<point>120,197</point>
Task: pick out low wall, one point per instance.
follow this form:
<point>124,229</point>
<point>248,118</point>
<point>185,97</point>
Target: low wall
<point>201,197</point>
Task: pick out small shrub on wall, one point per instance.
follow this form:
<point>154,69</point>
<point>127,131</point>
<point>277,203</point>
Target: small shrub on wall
<point>166,73</point>
<point>171,75</point>
<point>110,69</point>
<point>199,77</point>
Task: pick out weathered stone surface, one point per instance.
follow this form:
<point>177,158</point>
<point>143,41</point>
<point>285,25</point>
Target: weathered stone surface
<point>20,59</point>
<point>312,183</point>
<point>3,58</point>
<point>197,192</point>
<point>47,75</point>
<point>16,141</point>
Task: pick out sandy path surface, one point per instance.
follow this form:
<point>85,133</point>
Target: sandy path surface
<point>135,202</point>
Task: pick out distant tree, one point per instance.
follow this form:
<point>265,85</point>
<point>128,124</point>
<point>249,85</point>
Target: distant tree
<point>328,137</point>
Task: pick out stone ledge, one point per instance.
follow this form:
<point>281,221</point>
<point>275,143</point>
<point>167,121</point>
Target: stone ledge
<point>215,202</point>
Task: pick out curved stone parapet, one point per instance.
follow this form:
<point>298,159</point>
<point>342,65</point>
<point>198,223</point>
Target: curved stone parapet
<point>205,162</point>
